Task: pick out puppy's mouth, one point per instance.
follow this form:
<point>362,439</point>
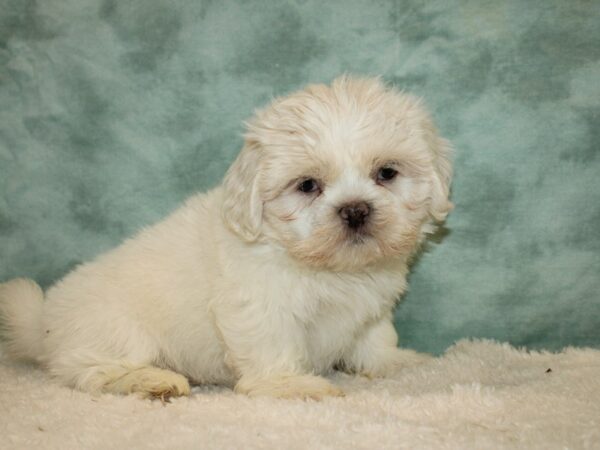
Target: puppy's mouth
<point>359,236</point>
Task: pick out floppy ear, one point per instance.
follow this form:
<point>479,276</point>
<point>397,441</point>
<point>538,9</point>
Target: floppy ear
<point>242,205</point>
<point>442,172</point>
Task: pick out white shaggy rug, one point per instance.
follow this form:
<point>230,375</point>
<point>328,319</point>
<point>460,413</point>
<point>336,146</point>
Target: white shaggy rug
<point>480,394</point>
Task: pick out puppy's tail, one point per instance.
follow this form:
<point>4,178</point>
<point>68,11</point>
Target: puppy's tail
<point>21,306</point>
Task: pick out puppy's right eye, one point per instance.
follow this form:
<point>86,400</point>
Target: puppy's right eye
<point>386,174</point>
<point>308,186</point>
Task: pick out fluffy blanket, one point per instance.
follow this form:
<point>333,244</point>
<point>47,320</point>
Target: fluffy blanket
<point>479,394</point>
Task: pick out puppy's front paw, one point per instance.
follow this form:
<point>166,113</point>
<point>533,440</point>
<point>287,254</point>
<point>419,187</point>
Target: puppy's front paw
<point>289,386</point>
<point>394,362</point>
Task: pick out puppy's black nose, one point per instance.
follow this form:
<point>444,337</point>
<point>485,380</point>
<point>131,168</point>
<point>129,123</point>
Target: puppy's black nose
<point>355,214</point>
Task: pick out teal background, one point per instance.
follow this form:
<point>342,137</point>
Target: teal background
<point>112,112</point>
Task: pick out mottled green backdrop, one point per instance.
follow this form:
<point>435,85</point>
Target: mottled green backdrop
<point>114,111</point>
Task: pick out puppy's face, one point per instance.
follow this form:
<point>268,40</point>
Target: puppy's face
<point>341,177</point>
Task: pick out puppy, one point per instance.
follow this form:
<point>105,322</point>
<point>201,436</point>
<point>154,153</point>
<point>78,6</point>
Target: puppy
<point>287,270</point>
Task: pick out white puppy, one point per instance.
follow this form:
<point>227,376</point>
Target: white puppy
<point>288,270</point>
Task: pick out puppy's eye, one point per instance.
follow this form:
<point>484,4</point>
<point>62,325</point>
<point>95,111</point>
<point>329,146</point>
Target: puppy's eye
<point>386,174</point>
<point>308,186</point>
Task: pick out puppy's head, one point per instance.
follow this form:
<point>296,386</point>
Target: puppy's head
<point>340,176</point>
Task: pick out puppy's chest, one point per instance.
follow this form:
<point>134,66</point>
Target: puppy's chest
<point>333,330</point>
<point>339,310</point>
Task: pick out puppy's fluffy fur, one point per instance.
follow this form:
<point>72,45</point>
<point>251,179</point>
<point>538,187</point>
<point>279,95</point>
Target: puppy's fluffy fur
<point>289,269</point>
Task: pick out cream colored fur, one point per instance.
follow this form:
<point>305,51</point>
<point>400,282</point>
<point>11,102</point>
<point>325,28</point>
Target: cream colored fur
<point>255,284</point>
<point>478,395</point>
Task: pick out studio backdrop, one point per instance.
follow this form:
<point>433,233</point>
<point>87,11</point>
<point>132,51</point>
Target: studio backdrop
<point>112,112</point>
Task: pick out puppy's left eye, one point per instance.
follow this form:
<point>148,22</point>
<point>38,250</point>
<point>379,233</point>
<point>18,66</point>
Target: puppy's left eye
<point>386,174</point>
<point>308,186</point>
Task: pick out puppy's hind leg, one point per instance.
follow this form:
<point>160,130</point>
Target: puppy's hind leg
<point>145,381</point>
<point>120,377</point>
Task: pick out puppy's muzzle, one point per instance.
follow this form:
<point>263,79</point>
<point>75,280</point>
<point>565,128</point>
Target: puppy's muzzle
<point>355,214</point>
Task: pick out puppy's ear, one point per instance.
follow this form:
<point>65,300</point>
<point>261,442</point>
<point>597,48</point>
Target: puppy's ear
<point>242,204</point>
<point>442,172</point>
